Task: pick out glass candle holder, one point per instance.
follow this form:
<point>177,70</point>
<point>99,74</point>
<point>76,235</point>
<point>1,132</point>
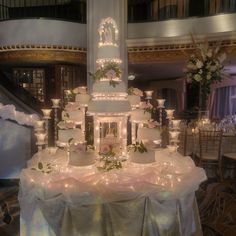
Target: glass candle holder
<point>174,135</point>
<point>46,113</point>
<point>148,94</point>
<point>161,103</point>
<point>41,137</point>
<point>39,125</point>
<point>170,113</point>
<point>55,102</point>
<point>176,124</point>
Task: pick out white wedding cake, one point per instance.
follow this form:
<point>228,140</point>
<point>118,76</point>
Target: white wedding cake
<point>146,134</point>
<point>79,156</point>
<point>76,116</point>
<point>64,135</point>
<point>140,116</point>
<point>142,158</point>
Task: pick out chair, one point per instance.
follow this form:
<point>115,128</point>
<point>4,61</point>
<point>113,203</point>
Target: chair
<point>186,142</point>
<point>209,153</point>
<point>229,156</point>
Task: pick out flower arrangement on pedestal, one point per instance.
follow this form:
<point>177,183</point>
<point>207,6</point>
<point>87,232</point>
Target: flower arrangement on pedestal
<point>204,67</point>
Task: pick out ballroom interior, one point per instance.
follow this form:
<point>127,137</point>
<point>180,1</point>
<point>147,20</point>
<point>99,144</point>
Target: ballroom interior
<point>50,47</point>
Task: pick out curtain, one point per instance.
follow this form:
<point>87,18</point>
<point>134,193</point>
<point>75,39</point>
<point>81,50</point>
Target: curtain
<point>167,9</point>
<point>171,97</point>
<point>224,102</point>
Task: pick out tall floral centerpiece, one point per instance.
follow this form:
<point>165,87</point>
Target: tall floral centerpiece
<point>204,67</point>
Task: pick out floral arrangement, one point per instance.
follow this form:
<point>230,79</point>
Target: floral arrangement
<point>205,66</point>
<point>138,147</point>
<point>44,168</point>
<point>147,107</point>
<point>109,159</point>
<point>135,91</point>
<point>72,106</point>
<point>111,71</point>
<point>66,125</point>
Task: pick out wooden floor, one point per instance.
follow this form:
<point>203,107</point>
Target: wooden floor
<point>216,201</point>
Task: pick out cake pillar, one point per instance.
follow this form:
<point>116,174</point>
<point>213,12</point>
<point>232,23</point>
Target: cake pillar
<point>124,136</point>
<point>96,134</point>
<point>133,132</point>
<point>97,10</point>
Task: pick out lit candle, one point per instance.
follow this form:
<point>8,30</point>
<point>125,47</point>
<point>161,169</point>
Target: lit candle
<point>148,94</point>
<point>176,123</point>
<point>170,113</point>
<point>55,102</point>
<point>46,113</point>
<point>161,103</point>
<point>40,138</point>
<point>39,125</point>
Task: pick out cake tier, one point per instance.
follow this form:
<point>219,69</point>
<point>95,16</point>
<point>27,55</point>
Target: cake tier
<point>134,100</point>
<point>75,116</point>
<point>140,116</point>
<point>64,135</point>
<point>105,88</point>
<point>108,106</point>
<point>143,158</point>
<point>80,158</point>
<point>83,99</point>
<point>108,53</point>
<point>149,134</point>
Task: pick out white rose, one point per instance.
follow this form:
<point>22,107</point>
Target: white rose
<point>199,64</point>
<point>197,77</point>
<point>209,53</point>
<point>208,76</point>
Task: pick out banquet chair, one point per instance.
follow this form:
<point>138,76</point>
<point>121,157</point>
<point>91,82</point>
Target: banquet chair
<point>209,153</point>
<point>229,157</point>
<point>186,142</point>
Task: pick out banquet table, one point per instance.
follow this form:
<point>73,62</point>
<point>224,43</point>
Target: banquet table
<point>139,199</point>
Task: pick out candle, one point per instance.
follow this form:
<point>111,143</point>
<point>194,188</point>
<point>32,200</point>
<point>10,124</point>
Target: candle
<point>170,113</point>
<point>46,113</point>
<point>174,135</point>
<point>161,103</point>
<point>40,138</point>
<point>176,123</point>
<point>55,102</point>
<point>39,125</point>
<point>148,94</point>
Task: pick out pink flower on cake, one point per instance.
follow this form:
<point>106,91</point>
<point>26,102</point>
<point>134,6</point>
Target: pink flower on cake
<point>137,92</point>
<point>69,124</point>
<point>77,147</point>
<point>105,149</point>
<point>81,90</point>
<point>111,74</point>
<point>144,105</point>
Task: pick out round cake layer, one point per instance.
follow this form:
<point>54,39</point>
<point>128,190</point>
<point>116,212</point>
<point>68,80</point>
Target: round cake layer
<point>108,52</point>
<point>134,100</point>
<point>148,134</point>
<point>75,116</point>
<point>142,158</point>
<point>140,116</point>
<point>104,87</point>
<point>83,99</point>
<point>64,135</point>
<point>80,158</point>
<point>108,106</point>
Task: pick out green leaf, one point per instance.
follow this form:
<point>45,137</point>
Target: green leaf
<point>40,165</point>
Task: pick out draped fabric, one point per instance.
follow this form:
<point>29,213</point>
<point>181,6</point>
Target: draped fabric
<point>224,102</point>
<point>217,6</point>
<point>84,201</point>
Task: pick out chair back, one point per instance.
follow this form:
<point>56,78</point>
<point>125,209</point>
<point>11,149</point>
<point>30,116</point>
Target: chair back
<point>210,145</point>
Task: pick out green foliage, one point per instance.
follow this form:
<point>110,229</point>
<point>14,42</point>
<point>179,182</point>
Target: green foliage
<point>150,110</point>
<point>110,163</point>
<point>44,168</point>
<point>138,147</point>
<point>102,73</point>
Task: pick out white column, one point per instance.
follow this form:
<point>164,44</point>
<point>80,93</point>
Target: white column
<point>97,10</point>
<point>96,134</point>
<point>133,132</point>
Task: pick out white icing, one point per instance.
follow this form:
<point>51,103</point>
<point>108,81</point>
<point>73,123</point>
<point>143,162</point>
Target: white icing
<point>83,99</point>
<point>134,100</point>
<point>76,116</point>
<point>142,158</point>
<point>140,116</point>
<point>65,135</point>
<point>82,158</point>
<point>148,134</point>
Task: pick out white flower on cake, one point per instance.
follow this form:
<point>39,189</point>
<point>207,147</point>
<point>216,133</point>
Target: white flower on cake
<point>135,91</point>
<point>77,147</point>
<point>66,125</point>
<point>153,124</point>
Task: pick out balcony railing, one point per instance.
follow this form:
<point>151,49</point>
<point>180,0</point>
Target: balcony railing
<point>158,10</point>
<point>71,10</point>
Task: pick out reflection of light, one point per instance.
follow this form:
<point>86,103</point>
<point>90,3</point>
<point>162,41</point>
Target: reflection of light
<point>131,77</point>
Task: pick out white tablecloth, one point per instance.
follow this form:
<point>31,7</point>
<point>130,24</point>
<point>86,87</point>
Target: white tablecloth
<point>148,200</point>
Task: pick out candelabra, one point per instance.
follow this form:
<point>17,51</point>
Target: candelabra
<point>39,133</point>
<point>148,94</point>
<point>174,135</point>
<point>161,106</point>
<point>41,137</point>
<point>55,106</point>
<point>46,117</point>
